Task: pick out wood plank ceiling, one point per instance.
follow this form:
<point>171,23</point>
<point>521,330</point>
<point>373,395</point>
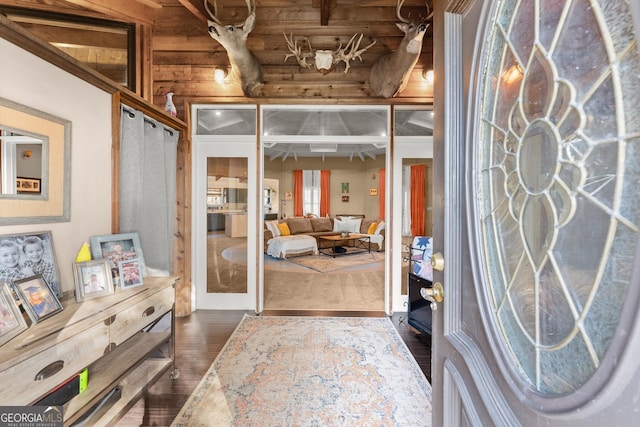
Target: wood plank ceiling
<point>182,57</point>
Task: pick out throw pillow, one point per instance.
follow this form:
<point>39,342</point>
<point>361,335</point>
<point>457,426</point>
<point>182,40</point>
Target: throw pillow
<point>272,226</point>
<point>354,225</point>
<point>284,229</point>
<point>379,228</point>
<point>372,228</point>
<point>339,225</point>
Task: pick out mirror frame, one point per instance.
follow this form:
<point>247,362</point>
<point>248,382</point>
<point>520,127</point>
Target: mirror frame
<point>55,202</point>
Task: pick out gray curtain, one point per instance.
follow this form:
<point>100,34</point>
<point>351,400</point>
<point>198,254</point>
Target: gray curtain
<point>148,152</point>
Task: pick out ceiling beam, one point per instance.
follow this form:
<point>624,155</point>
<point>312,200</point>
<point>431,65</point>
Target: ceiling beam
<point>194,10</point>
<point>124,10</point>
<point>324,13</point>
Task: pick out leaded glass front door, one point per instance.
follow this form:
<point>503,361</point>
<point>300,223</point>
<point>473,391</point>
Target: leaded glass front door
<point>541,284</point>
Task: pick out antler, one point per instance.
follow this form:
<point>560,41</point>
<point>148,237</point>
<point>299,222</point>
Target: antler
<point>297,51</point>
<point>398,7</point>
<point>350,52</point>
<point>250,8</point>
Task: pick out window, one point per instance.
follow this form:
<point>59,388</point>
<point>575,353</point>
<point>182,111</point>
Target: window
<point>311,192</point>
<point>105,46</point>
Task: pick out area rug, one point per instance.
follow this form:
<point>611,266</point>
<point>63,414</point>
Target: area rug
<point>325,263</point>
<point>311,371</point>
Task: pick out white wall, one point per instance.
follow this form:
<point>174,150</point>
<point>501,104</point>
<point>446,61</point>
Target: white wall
<point>28,80</point>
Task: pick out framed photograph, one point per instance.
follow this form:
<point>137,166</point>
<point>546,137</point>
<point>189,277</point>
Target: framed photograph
<point>288,195</point>
<point>11,321</point>
<point>37,297</point>
<point>130,273</point>
<point>28,185</point>
<point>345,198</point>
<point>116,248</point>
<point>373,191</point>
<point>27,254</point>
<point>93,279</point>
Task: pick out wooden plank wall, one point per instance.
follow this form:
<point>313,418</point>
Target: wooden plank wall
<point>184,56</point>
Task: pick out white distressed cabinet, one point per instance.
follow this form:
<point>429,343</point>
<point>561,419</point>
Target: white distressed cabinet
<point>111,336</point>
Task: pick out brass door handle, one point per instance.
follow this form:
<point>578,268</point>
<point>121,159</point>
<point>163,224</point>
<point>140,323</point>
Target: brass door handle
<point>434,294</point>
<point>437,261</point>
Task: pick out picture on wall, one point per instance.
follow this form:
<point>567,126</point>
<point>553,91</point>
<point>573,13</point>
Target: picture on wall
<point>345,187</point>
<point>11,321</point>
<point>28,185</point>
<point>27,254</point>
<point>93,279</point>
<point>117,248</point>
<point>37,297</point>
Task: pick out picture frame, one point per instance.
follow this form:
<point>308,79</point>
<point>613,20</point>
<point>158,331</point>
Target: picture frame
<point>11,321</point>
<point>35,255</point>
<point>28,185</point>
<point>92,279</point>
<point>116,248</point>
<point>373,191</point>
<point>130,273</point>
<point>38,298</point>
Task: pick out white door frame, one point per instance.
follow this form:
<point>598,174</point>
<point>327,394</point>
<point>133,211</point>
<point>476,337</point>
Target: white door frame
<point>403,148</point>
<point>221,146</point>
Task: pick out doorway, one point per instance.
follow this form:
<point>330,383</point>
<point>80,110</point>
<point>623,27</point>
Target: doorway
<point>347,145</point>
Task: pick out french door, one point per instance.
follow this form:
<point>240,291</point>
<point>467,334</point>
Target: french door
<point>537,154</point>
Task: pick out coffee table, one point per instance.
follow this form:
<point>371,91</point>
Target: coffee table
<point>360,242</point>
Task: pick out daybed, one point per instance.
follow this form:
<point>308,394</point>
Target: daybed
<point>278,233</point>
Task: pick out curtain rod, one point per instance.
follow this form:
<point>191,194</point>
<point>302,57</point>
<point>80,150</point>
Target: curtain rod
<point>152,122</point>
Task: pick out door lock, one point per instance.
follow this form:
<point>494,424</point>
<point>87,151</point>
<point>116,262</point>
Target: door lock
<point>434,294</point>
<point>437,261</point>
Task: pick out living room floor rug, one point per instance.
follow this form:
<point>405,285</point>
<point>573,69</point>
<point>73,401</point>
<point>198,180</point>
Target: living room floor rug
<point>311,371</point>
<point>324,263</point>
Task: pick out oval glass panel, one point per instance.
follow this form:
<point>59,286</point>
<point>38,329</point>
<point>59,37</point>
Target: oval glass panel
<point>559,206</point>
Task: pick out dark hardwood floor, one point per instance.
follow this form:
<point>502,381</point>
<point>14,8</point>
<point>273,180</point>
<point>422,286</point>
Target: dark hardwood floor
<point>199,339</point>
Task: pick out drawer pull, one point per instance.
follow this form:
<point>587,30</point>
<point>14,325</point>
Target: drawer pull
<point>50,370</point>
<point>148,312</point>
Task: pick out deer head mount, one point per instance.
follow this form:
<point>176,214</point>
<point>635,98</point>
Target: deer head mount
<point>233,38</point>
<point>390,73</point>
<point>326,60</point>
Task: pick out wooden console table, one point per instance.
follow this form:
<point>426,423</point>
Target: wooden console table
<point>113,336</point>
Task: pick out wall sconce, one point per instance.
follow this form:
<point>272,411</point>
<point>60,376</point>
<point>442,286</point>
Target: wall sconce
<point>219,75</point>
<point>427,75</point>
<point>26,154</point>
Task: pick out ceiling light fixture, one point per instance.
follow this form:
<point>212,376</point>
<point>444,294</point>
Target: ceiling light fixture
<point>323,148</point>
<point>219,75</point>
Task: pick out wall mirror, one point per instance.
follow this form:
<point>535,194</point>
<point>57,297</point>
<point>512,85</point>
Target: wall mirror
<point>35,149</point>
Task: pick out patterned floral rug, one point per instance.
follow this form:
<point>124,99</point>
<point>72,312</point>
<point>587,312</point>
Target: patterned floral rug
<point>311,371</point>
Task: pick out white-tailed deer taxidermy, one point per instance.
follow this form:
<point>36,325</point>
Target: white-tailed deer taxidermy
<point>390,73</point>
<point>233,38</point>
<point>325,60</point>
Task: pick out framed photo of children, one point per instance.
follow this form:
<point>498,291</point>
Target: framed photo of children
<point>27,254</point>
<point>11,321</point>
<point>130,273</point>
<point>92,279</point>
<point>116,248</point>
<point>37,297</point>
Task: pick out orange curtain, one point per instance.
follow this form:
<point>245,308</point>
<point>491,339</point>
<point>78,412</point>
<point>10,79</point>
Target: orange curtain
<point>381,193</point>
<point>297,193</point>
<point>418,208</point>
<point>324,192</point>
